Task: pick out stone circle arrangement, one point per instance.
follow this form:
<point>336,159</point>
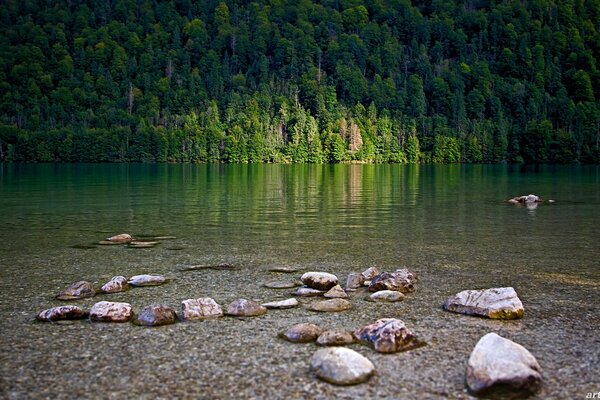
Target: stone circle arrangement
<point>496,364</point>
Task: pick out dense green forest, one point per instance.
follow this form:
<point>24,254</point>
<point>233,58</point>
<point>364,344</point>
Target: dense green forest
<point>300,81</point>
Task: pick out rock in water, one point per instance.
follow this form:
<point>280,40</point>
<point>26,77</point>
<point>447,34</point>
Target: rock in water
<point>147,280</point>
<point>122,238</point>
<point>370,273</point>
<point>283,304</point>
<point>108,311</point>
<point>155,315</point>
<point>115,285</point>
<point>319,280</point>
<point>341,366</point>
<point>388,335</point>
<point>497,303</point>
<point>332,305</point>
<point>308,292</point>
<point>78,290</point>
<point>336,292</point>
<point>281,285</point>
<point>354,281</point>
<point>245,308</point>
<point>335,337</point>
<point>499,366</point>
<point>62,313</point>
<point>301,333</point>
<point>401,281</point>
<point>387,296</point>
<point>202,308</point>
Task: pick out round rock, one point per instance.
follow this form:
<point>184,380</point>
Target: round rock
<point>245,308</point>
<point>319,280</point>
<point>335,337</point>
<point>108,311</point>
<point>341,366</point>
<point>147,280</point>
<point>332,305</point>
<point>388,296</point>
<point>62,313</point>
<point>301,333</point>
<point>115,285</point>
<point>78,290</point>
<point>155,315</point>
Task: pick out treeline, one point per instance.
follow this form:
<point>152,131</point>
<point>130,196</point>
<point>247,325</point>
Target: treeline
<point>300,81</point>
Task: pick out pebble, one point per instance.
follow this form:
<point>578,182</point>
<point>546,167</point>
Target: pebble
<point>283,304</point>
<point>285,270</point>
<point>147,280</point>
<point>341,366</point>
<point>121,238</point>
<point>156,315</point>
<point>115,285</point>
<point>335,337</point>
<point>354,281</point>
<point>319,280</point>
<point>388,335</point>
<point>389,296</point>
<point>370,273</point>
<point>78,290</point>
<point>280,285</point>
<point>336,292</point>
<point>108,311</point>
<point>332,305</point>
<point>245,308</point>
<point>62,313</point>
<point>301,333</point>
<point>201,308</point>
<point>401,280</point>
<point>308,292</point>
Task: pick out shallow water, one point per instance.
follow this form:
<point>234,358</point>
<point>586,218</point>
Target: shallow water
<point>449,224</point>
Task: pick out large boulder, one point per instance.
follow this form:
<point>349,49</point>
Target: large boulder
<point>500,367</point>
<point>495,303</point>
<point>62,313</point>
<point>388,335</point>
<point>108,311</point>
<point>78,290</point>
<point>156,315</point>
<point>202,308</point>
<point>341,366</point>
<point>401,280</point>
<point>319,280</point>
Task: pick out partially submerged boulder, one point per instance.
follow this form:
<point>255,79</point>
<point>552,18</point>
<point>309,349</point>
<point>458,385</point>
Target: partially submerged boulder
<point>495,303</point>
<point>62,313</point>
<point>78,290</point>
<point>500,367</point>
<point>388,335</point>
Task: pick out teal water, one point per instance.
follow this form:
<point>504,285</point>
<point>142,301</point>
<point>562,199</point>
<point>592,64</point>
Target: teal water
<point>451,224</point>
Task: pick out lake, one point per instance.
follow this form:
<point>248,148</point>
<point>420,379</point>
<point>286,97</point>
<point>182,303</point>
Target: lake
<point>451,225</point>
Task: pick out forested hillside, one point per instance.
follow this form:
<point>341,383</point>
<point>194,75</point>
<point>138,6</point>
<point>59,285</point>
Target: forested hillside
<point>300,81</point>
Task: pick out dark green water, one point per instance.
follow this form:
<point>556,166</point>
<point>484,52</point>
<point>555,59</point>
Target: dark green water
<point>450,224</point>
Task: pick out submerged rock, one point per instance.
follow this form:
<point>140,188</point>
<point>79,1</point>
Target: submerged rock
<point>283,304</point>
<point>401,280</point>
<point>496,303</point>
<point>388,335</point>
<point>354,281</point>
<point>108,311</point>
<point>141,244</point>
<point>62,313</point>
<point>336,292</point>
<point>498,366</point>
<point>308,292</point>
<point>529,199</point>
<point>319,280</point>
<point>147,280</point>
<point>217,267</point>
<point>335,337</point>
<point>156,315</point>
<point>115,285</point>
<point>301,333</point>
<point>332,305</point>
<point>202,308</point>
<point>245,308</point>
<point>121,238</point>
<point>78,290</point>
<point>389,296</point>
<point>341,366</point>
<point>284,270</point>
<point>370,273</point>
<point>280,285</point>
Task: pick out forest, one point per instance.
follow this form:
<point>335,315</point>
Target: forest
<point>299,81</point>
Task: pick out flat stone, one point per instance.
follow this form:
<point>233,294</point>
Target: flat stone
<point>283,304</point>
<point>147,280</point>
<point>319,280</point>
<point>308,292</point>
<point>109,243</point>
<point>496,303</point>
<point>62,313</point>
<point>301,333</point>
<point>335,337</point>
<point>108,311</point>
<point>389,296</point>
<point>401,280</point>
<point>245,308</point>
<point>280,285</point>
<point>156,315</point>
<point>354,281</point>
<point>202,308</point>
<point>284,270</point>
<point>370,273</point>
<point>336,292</point>
<point>388,335</point>
<point>332,305</point>
<point>121,238</point>
<point>115,285</point>
<point>141,245</point>
<point>164,237</point>
<point>498,366</point>
<point>341,366</point>
<point>78,290</point>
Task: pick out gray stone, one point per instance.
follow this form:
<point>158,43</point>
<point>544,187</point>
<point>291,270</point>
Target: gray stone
<point>156,315</point>
<point>202,308</point>
<point>498,366</point>
<point>370,273</point>
<point>108,311</point>
<point>401,281</point>
<point>301,333</point>
<point>283,304</point>
<point>62,313</point>
<point>245,308</point>
<point>388,335</point>
<point>336,292</point>
<point>354,281</point>
<point>115,285</point>
<point>341,366</point>
<point>78,290</point>
<point>147,280</point>
<point>389,296</point>
<point>335,337</point>
<point>121,238</point>
<point>319,280</point>
<point>496,303</point>
<point>281,285</point>
<point>308,292</point>
<point>331,305</point>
